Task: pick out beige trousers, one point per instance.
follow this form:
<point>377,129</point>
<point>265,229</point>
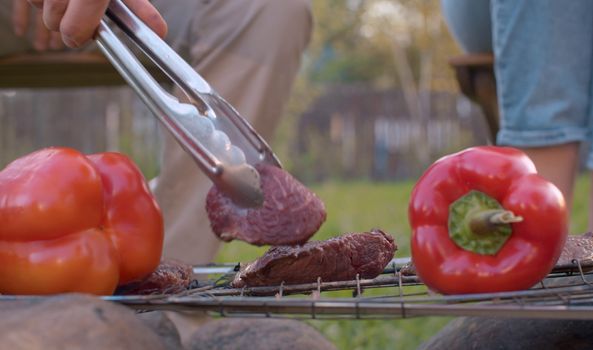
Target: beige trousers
<point>250,52</point>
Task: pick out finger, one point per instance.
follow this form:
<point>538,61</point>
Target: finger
<point>55,41</point>
<point>36,3</point>
<point>149,15</point>
<point>20,16</point>
<point>80,21</point>
<point>53,11</point>
<point>42,34</point>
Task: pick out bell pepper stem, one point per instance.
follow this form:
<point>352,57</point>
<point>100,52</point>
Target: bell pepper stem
<point>484,221</point>
<point>479,223</point>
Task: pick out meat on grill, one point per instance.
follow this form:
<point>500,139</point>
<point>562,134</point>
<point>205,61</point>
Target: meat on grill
<point>290,213</point>
<point>170,277</point>
<point>337,259</point>
<point>577,247</point>
<point>408,269</point>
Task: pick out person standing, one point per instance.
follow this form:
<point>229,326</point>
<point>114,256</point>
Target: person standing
<point>248,50</point>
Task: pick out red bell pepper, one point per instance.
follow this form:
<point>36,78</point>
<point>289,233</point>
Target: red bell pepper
<point>483,220</point>
<point>75,223</point>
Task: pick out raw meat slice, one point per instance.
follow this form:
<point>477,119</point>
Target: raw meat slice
<point>290,214</point>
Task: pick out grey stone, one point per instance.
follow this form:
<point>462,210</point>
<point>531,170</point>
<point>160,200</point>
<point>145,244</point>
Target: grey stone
<point>509,334</point>
<point>164,327</point>
<point>73,321</point>
<point>258,333</point>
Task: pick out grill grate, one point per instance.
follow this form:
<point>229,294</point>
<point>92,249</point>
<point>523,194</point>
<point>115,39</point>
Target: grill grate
<point>566,293</point>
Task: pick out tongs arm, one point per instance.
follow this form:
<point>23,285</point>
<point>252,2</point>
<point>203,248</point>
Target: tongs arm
<point>204,127</point>
<point>165,106</point>
<point>201,94</point>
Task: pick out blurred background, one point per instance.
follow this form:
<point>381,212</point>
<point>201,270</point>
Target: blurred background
<point>376,102</point>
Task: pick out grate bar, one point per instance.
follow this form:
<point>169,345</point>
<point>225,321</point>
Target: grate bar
<point>567,293</point>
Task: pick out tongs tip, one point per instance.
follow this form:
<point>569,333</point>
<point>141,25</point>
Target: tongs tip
<point>243,185</point>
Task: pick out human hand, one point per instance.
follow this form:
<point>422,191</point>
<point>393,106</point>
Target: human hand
<point>42,38</point>
<point>77,20</point>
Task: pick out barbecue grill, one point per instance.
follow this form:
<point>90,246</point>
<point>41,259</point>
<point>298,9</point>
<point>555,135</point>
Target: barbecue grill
<point>566,293</point>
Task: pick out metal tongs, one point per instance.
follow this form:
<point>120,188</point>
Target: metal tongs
<point>223,144</point>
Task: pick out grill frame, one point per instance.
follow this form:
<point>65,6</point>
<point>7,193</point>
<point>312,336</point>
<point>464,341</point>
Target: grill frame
<point>566,293</point>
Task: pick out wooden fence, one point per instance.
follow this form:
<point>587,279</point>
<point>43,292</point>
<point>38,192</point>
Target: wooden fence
<point>346,133</point>
<point>90,120</point>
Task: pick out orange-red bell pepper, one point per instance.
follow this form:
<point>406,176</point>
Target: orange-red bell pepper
<point>483,220</point>
<point>75,223</point>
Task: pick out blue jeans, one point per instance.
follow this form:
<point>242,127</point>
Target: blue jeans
<point>544,70</point>
<point>469,24</point>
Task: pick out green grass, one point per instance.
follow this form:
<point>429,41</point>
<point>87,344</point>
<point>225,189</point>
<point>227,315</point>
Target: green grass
<point>360,206</point>
<point>580,206</point>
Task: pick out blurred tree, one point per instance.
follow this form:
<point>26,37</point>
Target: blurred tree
<point>340,52</point>
<point>367,40</point>
<point>381,44</point>
<point>421,46</point>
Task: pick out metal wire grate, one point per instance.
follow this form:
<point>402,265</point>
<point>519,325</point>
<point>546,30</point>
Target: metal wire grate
<point>566,293</point>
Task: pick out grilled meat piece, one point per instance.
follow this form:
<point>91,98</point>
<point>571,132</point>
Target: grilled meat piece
<point>408,269</point>
<point>170,277</point>
<point>337,259</point>
<point>576,248</point>
<point>290,214</point>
